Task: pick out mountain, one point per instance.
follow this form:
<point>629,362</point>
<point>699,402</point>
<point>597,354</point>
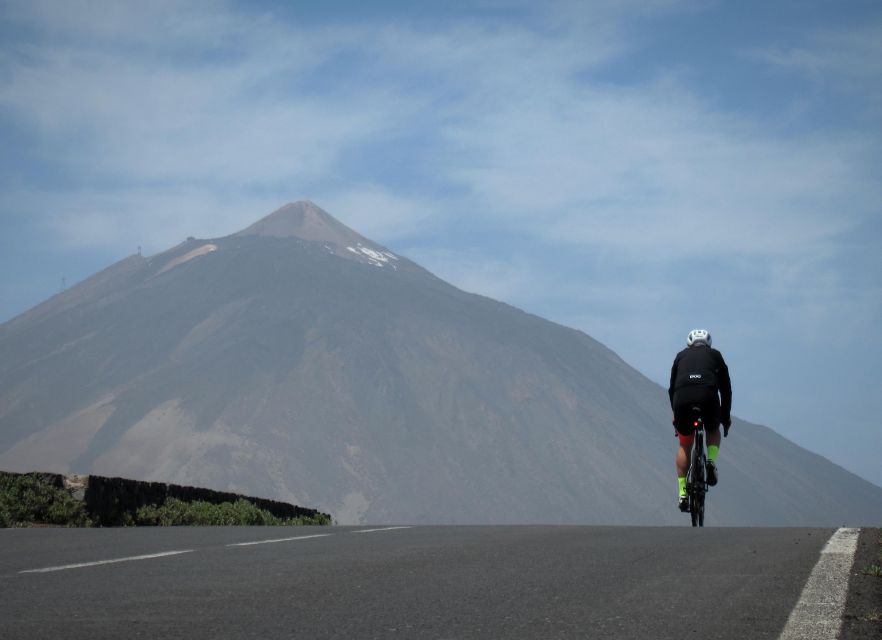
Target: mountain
<point>300,361</point>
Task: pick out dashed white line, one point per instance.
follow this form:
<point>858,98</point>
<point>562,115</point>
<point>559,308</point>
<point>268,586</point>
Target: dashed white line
<point>818,614</point>
<point>164,554</point>
<point>248,544</point>
<point>80,565</point>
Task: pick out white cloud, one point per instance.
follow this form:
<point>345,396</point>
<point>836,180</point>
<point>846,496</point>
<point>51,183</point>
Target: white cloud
<point>113,113</point>
<point>639,171</point>
<point>832,54</point>
<point>847,61</point>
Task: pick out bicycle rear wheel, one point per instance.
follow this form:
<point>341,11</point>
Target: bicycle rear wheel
<point>696,489</point>
<point>701,510</point>
<point>694,509</point>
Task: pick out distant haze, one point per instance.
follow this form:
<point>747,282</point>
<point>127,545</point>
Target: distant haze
<point>299,360</point>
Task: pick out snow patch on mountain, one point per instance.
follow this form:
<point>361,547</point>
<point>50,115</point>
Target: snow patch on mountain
<point>374,257</point>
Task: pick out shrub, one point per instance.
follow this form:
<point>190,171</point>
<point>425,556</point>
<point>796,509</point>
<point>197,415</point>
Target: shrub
<point>26,499</point>
<point>174,512</point>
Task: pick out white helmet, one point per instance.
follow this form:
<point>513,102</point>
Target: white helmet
<point>698,336</point>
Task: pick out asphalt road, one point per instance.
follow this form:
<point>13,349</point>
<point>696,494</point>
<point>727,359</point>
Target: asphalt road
<point>417,582</point>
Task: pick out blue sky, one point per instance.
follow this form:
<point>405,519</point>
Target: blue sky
<point>631,169</point>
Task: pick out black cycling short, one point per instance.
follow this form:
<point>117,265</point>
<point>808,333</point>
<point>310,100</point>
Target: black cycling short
<point>687,397</point>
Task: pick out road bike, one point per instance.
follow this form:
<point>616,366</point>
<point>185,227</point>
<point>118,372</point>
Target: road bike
<point>696,476</point>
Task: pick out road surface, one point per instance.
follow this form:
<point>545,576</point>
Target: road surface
<point>413,582</point>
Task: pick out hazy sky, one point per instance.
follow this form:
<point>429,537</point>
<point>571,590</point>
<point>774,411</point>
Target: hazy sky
<point>633,169</point>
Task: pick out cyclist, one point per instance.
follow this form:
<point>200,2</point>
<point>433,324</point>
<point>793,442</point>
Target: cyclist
<point>700,377</point>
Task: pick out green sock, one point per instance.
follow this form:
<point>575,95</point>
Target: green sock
<point>681,481</point>
<point>712,451</point>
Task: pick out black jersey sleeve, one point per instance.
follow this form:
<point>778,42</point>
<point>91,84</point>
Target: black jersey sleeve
<point>724,384</point>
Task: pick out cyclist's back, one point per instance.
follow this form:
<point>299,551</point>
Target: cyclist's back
<point>698,375</point>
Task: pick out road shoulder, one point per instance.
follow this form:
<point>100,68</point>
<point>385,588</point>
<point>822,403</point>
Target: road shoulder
<point>862,618</point>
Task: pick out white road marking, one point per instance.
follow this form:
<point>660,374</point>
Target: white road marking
<point>174,553</point>
<point>818,614</point>
<point>248,544</point>
<point>113,561</point>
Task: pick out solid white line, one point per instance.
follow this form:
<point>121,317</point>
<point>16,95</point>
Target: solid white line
<point>383,529</point>
<point>248,544</point>
<point>818,614</point>
<point>113,561</point>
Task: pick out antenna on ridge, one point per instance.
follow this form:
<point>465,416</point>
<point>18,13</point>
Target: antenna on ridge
<point>139,250</point>
<point>63,284</point>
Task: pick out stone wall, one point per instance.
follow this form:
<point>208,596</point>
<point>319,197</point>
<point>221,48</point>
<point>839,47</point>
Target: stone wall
<point>108,500</point>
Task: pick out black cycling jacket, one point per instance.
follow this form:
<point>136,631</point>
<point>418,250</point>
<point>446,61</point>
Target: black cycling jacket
<point>702,365</point>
